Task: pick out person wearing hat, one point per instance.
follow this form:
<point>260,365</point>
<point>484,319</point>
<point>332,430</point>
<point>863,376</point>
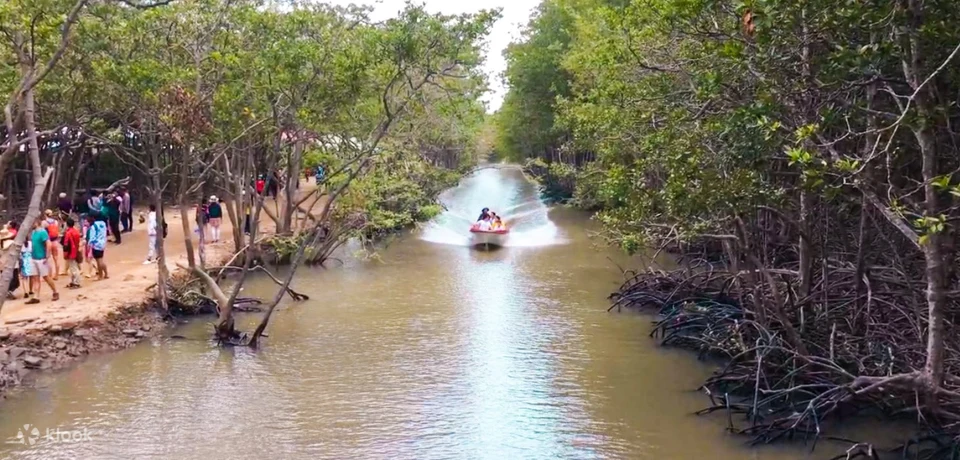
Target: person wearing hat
<point>7,234</point>
<point>215,218</point>
<point>64,204</point>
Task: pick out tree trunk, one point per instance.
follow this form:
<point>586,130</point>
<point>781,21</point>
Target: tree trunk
<point>13,253</point>
<point>294,167</point>
<point>162,273</point>
<point>935,249</point>
<point>40,181</point>
<point>187,231</point>
<point>806,248</point>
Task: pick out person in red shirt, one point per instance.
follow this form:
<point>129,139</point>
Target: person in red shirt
<point>72,252</point>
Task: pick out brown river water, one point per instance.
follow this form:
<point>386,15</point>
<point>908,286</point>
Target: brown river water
<point>429,350</point>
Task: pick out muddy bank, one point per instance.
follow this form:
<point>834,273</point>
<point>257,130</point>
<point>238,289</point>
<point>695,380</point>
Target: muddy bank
<point>25,352</point>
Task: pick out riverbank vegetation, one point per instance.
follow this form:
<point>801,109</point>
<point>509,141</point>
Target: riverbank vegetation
<point>194,98</point>
<point>801,158</point>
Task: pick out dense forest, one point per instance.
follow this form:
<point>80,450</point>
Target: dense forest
<point>800,158</point>
<point>179,100</point>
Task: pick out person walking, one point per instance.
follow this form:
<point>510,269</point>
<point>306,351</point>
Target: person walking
<point>52,225</point>
<point>126,210</point>
<point>112,208</point>
<point>215,218</point>
<point>319,174</point>
<point>151,236</point>
<point>40,248</point>
<point>26,269</point>
<point>97,241</point>
<point>86,264</point>
<point>72,252</point>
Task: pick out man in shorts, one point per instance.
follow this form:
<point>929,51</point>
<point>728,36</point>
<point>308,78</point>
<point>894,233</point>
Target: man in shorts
<point>72,252</point>
<point>40,250</point>
<point>97,239</point>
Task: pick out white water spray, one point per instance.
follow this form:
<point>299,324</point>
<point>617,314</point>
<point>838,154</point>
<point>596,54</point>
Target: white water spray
<point>506,192</point>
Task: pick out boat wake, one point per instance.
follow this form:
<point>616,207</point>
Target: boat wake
<point>506,192</point>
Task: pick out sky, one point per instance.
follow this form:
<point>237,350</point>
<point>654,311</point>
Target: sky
<point>514,15</point>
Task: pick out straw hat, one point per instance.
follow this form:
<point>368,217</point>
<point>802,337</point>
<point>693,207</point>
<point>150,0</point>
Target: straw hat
<point>48,213</point>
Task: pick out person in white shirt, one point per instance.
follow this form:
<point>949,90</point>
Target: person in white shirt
<point>485,225</point>
<point>151,235</point>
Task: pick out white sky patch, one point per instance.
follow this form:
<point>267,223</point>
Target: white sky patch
<point>514,16</point>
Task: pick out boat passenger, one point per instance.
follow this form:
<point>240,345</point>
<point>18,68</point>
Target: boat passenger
<point>483,214</point>
<point>485,224</point>
<point>498,224</point>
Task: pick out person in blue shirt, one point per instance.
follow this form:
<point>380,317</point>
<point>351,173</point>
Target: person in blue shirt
<point>96,237</point>
<point>319,173</point>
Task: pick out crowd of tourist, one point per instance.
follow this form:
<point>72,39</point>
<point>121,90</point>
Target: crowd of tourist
<point>72,241</point>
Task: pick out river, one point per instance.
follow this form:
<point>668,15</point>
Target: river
<point>428,350</point>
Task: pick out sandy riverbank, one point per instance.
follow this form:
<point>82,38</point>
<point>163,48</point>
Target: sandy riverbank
<point>102,315</point>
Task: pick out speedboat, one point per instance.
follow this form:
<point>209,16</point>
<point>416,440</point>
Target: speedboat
<point>488,238</point>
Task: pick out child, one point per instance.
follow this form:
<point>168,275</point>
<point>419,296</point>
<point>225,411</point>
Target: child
<point>26,268</point>
<point>88,268</point>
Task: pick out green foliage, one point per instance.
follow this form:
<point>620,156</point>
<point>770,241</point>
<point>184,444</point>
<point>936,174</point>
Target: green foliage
<point>195,79</point>
<point>526,125</point>
<point>694,121</point>
<point>557,180</point>
<point>399,191</point>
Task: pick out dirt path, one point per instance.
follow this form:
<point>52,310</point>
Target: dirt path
<point>129,278</point>
<point>128,283</point>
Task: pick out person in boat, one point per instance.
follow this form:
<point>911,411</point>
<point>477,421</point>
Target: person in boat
<point>498,224</point>
<point>484,214</point>
<point>486,224</point>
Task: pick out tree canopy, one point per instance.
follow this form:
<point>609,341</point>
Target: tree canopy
<point>190,98</point>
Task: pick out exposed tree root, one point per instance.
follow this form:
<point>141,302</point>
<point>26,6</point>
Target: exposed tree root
<point>863,352</point>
